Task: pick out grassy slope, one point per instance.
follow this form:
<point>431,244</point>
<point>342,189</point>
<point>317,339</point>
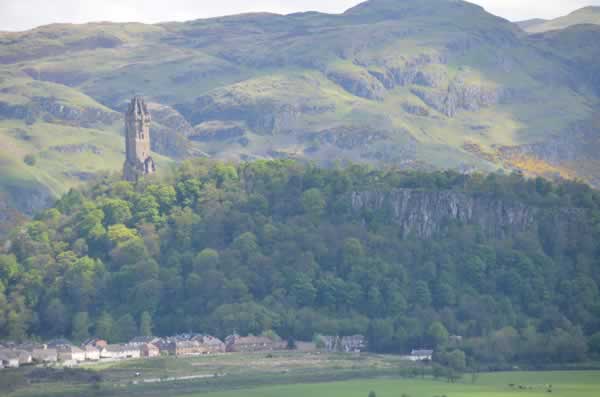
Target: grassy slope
<point>564,384</point>
<point>301,374</point>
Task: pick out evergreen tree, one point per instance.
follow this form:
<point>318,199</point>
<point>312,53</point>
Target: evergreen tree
<point>125,328</point>
<point>145,324</point>
<point>80,329</point>
<point>104,327</point>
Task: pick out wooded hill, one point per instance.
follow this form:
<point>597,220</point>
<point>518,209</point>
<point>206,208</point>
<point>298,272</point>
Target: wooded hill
<point>301,250</point>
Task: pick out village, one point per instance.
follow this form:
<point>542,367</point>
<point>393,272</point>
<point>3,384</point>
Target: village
<point>63,353</point>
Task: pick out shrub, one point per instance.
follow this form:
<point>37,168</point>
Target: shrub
<point>30,159</point>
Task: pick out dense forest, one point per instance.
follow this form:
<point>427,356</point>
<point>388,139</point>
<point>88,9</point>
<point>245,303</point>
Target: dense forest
<point>276,246</point>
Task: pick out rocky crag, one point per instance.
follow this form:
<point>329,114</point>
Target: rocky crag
<point>425,214</point>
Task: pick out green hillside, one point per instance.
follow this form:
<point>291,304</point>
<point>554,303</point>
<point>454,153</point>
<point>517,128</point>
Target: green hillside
<point>583,16</point>
<point>412,84</point>
<point>405,258</point>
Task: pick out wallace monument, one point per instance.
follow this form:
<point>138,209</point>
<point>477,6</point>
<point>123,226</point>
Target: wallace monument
<point>138,161</point>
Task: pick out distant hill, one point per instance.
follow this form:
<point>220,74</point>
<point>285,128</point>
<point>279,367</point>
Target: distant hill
<point>530,23</point>
<point>424,84</point>
<point>586,15</point>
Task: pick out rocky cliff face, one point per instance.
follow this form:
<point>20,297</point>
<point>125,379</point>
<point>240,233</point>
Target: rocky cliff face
<point>169,132</point>
<point>427,213</point>
<point>51,110</point>
<point>361,83</point>
<point>459,96</point>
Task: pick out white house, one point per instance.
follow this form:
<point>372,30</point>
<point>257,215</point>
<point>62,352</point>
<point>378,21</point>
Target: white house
<point>421,355</point>
<point>120,352</point>
<point>144,340</point>
<point>24,357</point>
<point>211,343</point>
<point>149,350</point>
<point>44,355</point>
<point>9,359</point>
<point>70,354</point>
<point>91,353</point>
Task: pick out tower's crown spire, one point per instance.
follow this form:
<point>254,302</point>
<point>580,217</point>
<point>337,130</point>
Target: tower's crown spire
<point>137,107</point>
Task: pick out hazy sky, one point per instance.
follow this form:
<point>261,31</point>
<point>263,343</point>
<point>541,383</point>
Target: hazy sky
<point>25,14</point>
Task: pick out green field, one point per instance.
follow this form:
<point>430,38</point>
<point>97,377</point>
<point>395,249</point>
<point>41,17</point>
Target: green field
<point>286,374</point>
<point>564,384</point>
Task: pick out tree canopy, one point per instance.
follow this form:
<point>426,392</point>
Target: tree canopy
<point>275,245</point>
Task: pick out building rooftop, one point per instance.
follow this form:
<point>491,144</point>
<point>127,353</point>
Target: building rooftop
<point>421,352</point>
<point>121,348</point>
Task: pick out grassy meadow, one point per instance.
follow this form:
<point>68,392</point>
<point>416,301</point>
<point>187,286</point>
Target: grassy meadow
<point>564,384</point>
<point>296,374</point>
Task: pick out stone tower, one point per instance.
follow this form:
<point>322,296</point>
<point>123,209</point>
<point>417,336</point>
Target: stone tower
<point>138,161</point>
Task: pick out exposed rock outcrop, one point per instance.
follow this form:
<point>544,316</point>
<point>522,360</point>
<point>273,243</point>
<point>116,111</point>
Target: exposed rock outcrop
<point>72,114</point>
<point>263,116</point>
<point>434,77</point>
<point>384,77</point>
<point>360,83</point>
<point>170,118</point>
<point>427,213</point>
<point>169,142</point>
<point>349,137</point>
<point>78,148</point>
<point>40,106</point>
<point>415,70</point>
<point>217,131</point>
<point>459,96</point>
<point>415,109</point>
<point>169,131</point>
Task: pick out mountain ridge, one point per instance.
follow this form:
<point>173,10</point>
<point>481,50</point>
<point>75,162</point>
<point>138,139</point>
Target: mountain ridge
<point>585,15</point>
